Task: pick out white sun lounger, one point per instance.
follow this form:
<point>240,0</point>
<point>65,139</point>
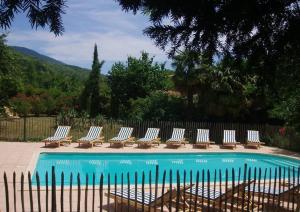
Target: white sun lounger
<point>123,138</point>
<point>148,202</point>
<point>253,139</point>
<point>279,193</point>
<point>202,139</point>
<point>93,136</point>
<point>60,135</point>
<point>151,137</point>
<point>229,139</point>
<point>177,138</point>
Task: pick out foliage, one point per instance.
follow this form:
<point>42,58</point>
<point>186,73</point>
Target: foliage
<point>40,13</point>
<point>157,106</point>
<point>136,79</point>
<point>90,97</point>
<point>10,83</point>
<point>216,26</point>
<point>264,34</point>
<point>46,87</point>
<point>22,104</point>
<point>188,67</point>
<point>286,138</point>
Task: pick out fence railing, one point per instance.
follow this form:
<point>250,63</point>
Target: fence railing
<point>37,128</point>
<point>244,189</point>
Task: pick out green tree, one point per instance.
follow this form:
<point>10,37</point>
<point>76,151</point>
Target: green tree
<point>90,97</point>
<point>136,79</point>
<point>188,66</point>
<point>263,33</point>
<point>10,83</point>
<point>157,106</point>
<point>40,13</point>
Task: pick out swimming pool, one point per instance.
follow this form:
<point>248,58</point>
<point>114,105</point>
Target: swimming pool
<point>117,163</point>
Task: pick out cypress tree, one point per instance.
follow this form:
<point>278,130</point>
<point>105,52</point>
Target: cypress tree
<point>90,97</point>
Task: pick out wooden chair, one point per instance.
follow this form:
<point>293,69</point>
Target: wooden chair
<point>123,138</point>
<point>253,139</point>
<point>215,196</point>
<point>229,139</point>
<point>202,139</point>
<point>149,201</point>
<point>177,138</point>
<point>93,136</point>
<point>60,136</point>
<point>151,138</point>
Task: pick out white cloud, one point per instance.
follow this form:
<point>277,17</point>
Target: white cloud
<point>77,48</point>
<point>118,35</point>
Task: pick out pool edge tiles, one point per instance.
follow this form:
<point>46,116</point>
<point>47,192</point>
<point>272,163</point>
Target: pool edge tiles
<point>117,163</point>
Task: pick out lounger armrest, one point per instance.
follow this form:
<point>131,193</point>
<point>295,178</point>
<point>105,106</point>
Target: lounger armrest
<point>68,139</point>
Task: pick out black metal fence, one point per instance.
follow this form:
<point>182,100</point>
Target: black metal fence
<point>244,189</point>
<point>37,128</point>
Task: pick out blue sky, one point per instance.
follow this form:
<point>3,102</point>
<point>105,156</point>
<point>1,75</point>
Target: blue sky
<point>117,34</point>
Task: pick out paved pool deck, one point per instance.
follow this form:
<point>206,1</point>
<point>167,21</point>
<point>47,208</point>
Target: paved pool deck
<point>21,157</point>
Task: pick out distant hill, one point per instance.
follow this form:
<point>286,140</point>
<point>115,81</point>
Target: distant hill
<point>36,55</point>
<point>41,57</point>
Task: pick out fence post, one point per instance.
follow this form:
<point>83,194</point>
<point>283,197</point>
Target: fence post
<point>6,192</point>
<point>24,129</point>
<point>53,185</point>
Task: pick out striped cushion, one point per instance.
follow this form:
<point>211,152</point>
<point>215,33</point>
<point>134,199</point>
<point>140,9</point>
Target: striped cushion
<point>253,136</point>
<point>273,190</point>
<point>205,192</point>
<point>124,134</point>
<point>177,135</point>
<point>147,198</point>
<point>202,135</point>
<point>229,136</point>
<point>151,134</point>
<point>60,133</point>
<point>93,134</point>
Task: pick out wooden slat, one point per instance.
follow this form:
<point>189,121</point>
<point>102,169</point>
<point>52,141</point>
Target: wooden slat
<point>143,191</point>
<point>53,190</point>
<point>15,197</point>
<point>93,198</point>
<point>38,191</point>
<point>62,192</point>
<point>101,192</point>
<point>22,192</point>
<point>128,190</point>
<point>108,191</point>
<point>78,192</point>
<point>30,192</point>
<point>6,192</point>
<point>71,193</point>
<point>170,188</point>
<point>178,191</point>
<point>196,195</point>
<point>163,191</point>
<point>47,191</point>
<point>156,184</point>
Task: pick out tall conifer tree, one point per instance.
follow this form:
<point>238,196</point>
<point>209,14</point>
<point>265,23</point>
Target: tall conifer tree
<point>90,97</point>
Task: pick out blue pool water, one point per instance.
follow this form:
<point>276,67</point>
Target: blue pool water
<point>117,163</point>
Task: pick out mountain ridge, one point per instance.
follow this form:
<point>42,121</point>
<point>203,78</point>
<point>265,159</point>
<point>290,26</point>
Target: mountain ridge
<point>42,57</point>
